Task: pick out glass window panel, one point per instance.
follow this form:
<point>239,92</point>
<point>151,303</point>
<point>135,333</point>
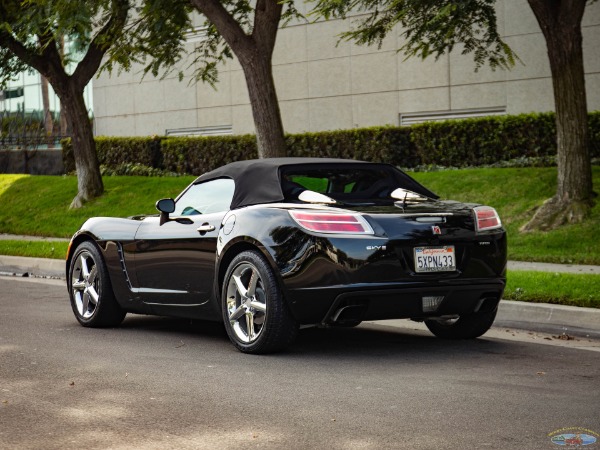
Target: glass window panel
<point>33,98</point>
<point>209,197</point>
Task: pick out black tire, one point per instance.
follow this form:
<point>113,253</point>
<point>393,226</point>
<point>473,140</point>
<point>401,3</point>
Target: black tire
<point>92,298</point>
<point>256,317</point>
<point>469,326</point>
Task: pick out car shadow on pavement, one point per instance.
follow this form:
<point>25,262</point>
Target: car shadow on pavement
<point>364,341</point>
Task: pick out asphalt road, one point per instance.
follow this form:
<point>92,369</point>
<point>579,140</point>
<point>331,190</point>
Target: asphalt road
<point>161,383</point>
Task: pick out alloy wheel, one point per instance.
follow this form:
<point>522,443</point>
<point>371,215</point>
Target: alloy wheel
<point>246,302</point>
<point>85,284</point>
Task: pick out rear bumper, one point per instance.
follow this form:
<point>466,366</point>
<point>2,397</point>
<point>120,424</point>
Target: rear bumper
<point>339,304</point>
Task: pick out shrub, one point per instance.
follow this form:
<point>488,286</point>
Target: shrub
<point>382,144</point>
<point>488,140</point>
<point>196,155</point>
<point>518,140</point>
<point>113,152</point>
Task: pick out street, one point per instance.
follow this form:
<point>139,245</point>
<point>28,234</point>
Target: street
<point>167,383</point>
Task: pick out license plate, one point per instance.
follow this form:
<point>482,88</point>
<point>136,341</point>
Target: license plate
<point>435,259</point>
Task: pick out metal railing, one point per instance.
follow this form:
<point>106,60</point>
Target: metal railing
<point>28,130</point>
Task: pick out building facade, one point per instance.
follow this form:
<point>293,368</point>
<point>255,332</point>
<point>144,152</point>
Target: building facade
<point>23,97</point>
<point>326,85</point>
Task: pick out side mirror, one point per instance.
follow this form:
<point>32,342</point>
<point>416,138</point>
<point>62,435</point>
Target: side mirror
<point>166,206</point>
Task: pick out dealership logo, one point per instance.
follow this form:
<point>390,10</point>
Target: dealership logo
<point>574,437</point>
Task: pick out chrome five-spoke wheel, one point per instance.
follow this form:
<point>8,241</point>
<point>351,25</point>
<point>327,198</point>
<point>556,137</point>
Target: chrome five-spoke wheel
<point>256,317</point>
<point>92,298</point>
<point>84,284</point>
<point>246,302</point>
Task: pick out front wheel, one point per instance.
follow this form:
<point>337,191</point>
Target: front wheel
<point>468,326</point>
<point>90,291</point>
<point>256,317</point>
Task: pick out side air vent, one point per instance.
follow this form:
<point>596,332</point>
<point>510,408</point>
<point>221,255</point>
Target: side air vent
<point>438,116</point>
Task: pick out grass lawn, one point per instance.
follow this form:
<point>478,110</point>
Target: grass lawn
<point>39,205</point>
<point>38,249</point>
<point>559,288</point>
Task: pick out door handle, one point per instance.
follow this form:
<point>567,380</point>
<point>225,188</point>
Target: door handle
<point>205,227</point>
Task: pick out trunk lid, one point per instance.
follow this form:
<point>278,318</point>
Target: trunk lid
<point>437,228</point>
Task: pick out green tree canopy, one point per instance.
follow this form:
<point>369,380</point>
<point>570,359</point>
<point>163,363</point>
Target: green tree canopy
<point>428,27</point>
<point>69,41</point>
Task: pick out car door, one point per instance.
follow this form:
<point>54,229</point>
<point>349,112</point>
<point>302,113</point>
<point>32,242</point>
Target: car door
<point>175,261</point>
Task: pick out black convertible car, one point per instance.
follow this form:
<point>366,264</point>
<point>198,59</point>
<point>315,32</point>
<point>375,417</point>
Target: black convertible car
<point>270,245</point>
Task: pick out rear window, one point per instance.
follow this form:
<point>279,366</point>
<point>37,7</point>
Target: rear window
<point>341,183</point>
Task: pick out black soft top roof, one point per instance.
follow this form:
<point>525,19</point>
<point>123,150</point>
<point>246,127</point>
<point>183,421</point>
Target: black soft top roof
<point>258,180</point>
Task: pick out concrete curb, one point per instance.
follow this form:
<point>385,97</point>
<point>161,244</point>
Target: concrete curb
<point>547,318</point>
<point>42,267</point>
<point>541,317</point>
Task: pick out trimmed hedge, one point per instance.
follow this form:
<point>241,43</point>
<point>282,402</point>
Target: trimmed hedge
<point>196,155</point>
<point>385,144</point>
<point>477,142</point>
<point>453,143</point>
<point>114,152</point>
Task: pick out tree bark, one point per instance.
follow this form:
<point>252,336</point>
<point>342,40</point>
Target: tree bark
<point>265,107</point>
<point>560,21</point>
<point>255,53</point>
<point>48,120</point>
<point>89,180</point>
<point>64,128</point>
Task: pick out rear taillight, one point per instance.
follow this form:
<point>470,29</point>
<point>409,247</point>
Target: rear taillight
<point>486,218</point>
<point>325,222</point>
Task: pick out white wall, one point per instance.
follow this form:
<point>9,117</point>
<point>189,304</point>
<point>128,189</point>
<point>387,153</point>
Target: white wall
<point>324,86</point>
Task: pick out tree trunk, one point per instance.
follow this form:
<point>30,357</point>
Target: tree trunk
<point>560,22</point>
<point>254,52</point>
<point>63,116</point>
<point>89,180</point>
<point>48,120</point>
<point>265,107</point>
<point>64,128</point>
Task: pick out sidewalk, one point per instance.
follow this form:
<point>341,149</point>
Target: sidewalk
<point>550,267</point>
<point>553,319</point>
<point>19,237</point>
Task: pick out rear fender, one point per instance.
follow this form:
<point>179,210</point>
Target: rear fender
<point>233,248</point>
